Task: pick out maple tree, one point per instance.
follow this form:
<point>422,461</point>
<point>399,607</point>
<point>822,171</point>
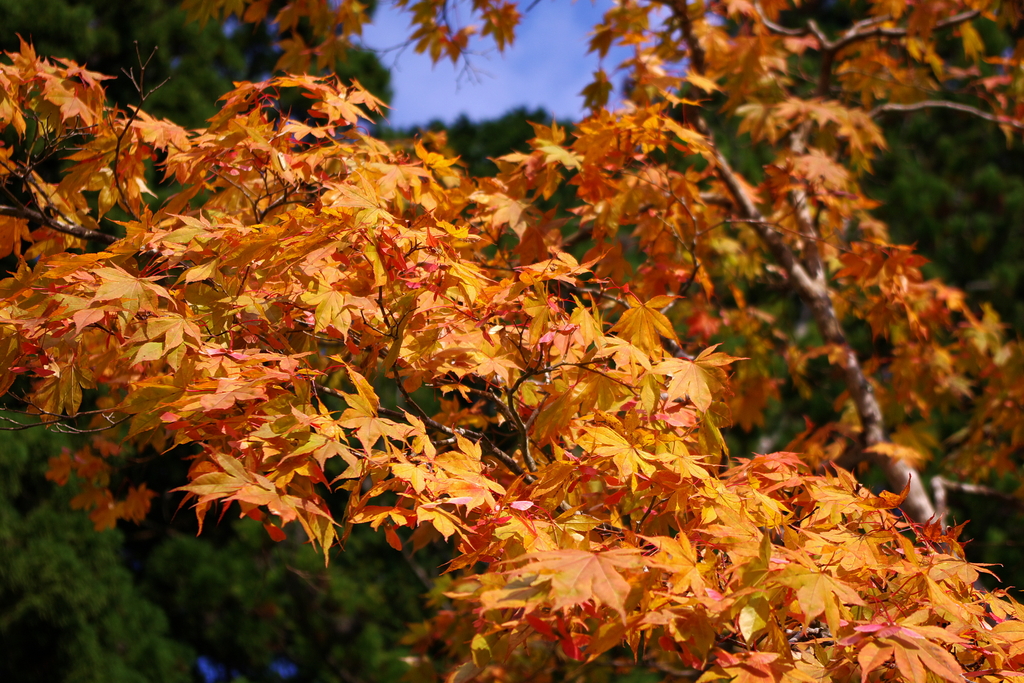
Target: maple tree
<point>310,310</point>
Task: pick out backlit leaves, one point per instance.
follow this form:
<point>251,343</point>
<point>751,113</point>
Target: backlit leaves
<point>309,314</point>
<point>579,576</point>
<point>695,379</point>
<point>643,324</point>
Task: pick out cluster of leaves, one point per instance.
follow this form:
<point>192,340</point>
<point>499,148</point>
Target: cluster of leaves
<point>313,310</point>
<point>195,64</point>
<point>319,31</point>
<point>155,603</point>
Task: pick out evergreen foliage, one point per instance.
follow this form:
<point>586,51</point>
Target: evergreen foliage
<point>70,608</point>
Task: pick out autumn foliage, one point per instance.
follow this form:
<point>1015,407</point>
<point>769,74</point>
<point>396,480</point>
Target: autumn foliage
<point>299,308</point>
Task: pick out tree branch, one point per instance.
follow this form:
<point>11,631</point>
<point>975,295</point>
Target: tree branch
<point>139,85</point>
<point>855,33</point>
<point>942,486</point>
<point>801,205</point>
<point>57,224</point>
<point>682,14</point>
<point>813,291</point>
<point>862,30</point>
<point>779,29</point>
<point>524,435</point>
<point>944,104</point>
<point>657,666</point>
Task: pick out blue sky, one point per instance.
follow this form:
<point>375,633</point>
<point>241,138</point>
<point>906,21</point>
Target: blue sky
<point>546,67</point>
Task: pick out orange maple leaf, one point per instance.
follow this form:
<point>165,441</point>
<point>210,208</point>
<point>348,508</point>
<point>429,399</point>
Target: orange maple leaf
<point>579,576</point>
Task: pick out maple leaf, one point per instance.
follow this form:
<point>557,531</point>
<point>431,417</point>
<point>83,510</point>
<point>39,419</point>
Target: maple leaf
<point>135,293</point>
<point>12,232</point>
<point>643,324</point>
<point>579,576</point>
<point>629,459</point>
<point>819,593</point>
<point>695,379</point>
<point>751,667</point>
<point>136,503</point>
<point>917,656</point>
<point>445,522</point>
<point>595,94</point>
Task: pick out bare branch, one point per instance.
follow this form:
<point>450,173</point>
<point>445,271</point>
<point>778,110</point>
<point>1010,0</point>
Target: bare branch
<point>941,486</point>
<point>779,29</point>
<point>944,104</point>
<point>139,85</point>
<point>578,237</point>
<point>814,293</point>
<point>57,224</point>
<point>524,435</point>
<point>715,199</point>
<point>681,12</point>
<point>657,666</point>
<point>801,204</point>
<point>874,30</point>
<point>417,568</point>
<point>862,30</point>
<point>50,217</point>
<point>941,504</point>
<point>65,428</point>
<point>59,421</point>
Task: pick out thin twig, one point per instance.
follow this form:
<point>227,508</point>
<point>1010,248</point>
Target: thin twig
<point>944,104</point>
<point>143,96</point>
<point>485,443</point>
<point>657,666</point>
<point>778,28</point>
<point>941,486</point>
<point>862,30</point>
<point>524,435</point>
<point>856,33</point>
<point>650,508</point>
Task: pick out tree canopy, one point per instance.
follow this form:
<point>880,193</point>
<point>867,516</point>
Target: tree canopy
<point>542,370</point>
